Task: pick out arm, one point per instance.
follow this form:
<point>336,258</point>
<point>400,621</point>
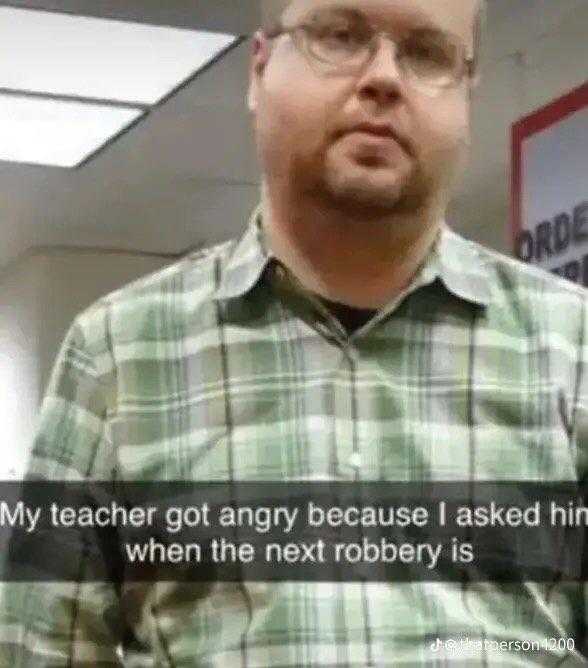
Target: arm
<point>68,623</point>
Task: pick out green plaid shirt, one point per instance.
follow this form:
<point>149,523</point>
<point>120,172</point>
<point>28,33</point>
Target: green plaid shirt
<point>219,368</point>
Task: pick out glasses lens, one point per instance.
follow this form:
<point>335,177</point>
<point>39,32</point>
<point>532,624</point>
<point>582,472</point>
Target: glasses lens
<point>432,58</point>
<point>344,40</point>
<point>338,39</point>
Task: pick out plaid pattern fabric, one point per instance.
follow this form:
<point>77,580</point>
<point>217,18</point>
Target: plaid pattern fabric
<point>220,368</point>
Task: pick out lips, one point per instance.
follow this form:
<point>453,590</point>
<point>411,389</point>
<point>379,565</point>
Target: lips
<point>379,130</point>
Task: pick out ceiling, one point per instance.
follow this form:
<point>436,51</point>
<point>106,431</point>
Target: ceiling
<point>185,175</point>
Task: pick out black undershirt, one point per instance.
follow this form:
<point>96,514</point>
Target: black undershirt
<point>351,317</point>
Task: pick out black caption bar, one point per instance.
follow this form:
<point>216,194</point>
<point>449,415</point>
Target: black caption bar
<point>327,531</point>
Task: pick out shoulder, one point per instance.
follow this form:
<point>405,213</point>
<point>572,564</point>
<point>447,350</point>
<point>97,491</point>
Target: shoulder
<point>536,299</point>
<point>505,272</point>
<point>150,307</point>
<point>196,273</point>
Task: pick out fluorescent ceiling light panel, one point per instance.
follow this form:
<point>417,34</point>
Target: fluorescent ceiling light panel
<point>63,54</point>
<point>52,132</point>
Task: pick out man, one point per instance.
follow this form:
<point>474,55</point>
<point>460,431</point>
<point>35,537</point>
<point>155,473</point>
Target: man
<point>348,335</point>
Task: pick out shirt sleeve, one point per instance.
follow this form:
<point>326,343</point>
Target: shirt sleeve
<point>68,623</point>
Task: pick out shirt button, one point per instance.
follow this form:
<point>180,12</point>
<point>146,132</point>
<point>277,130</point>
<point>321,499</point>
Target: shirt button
<point>355,460</point>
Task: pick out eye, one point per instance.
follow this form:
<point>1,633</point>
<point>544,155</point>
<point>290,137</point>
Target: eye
<point>337,37</point>
<point>339,31</point>
<point>431,51</point>
<point>342,37</point>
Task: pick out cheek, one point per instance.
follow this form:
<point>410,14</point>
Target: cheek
<point>298,106</point>
<point>296,113</point>
<point>447,126</point>
<point>442,137</point>
<point>291,133</point>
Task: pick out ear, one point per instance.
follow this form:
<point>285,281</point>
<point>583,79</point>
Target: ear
<point>259,56</point>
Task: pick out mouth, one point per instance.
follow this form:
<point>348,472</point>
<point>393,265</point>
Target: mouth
<point>379,131</point>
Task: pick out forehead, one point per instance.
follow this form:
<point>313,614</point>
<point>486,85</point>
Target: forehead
<point>455,16</point>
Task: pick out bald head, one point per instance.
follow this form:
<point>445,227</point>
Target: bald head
<point>272,10</point>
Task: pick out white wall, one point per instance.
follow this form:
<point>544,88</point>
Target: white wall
<point>40,294</point>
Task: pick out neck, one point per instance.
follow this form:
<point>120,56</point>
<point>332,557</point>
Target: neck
<point>363,259</point>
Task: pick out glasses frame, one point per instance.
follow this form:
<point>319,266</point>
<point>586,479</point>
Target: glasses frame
<point>300,33</point>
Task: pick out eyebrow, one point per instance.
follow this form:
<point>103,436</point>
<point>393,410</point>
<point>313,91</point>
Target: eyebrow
<point>354,13</point>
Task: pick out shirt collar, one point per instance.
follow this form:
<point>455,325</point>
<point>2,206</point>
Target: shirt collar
<point>247,262</point>
<point>460,266</point>
<point>455,261</point>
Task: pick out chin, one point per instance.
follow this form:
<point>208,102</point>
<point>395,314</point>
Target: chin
<point>365,191</point>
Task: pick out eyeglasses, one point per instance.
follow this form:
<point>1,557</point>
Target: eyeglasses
<point>345,42</point>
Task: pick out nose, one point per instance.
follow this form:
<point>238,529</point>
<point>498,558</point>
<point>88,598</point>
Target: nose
<point>381,80</point>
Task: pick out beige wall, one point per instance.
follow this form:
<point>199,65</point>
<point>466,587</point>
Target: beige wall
<point>19,359</point>
<point>39,296</point>
<point>531,60</point>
